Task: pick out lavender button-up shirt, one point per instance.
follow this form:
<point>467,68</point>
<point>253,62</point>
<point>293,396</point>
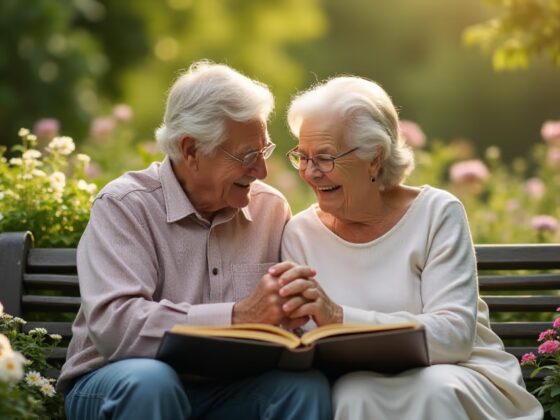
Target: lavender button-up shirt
<point>147,261</point>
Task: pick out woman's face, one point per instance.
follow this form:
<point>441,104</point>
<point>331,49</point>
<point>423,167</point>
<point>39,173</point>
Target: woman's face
<point>345,191</point>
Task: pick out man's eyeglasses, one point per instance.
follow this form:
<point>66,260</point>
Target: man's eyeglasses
<point>323,162</point>
<point>250,158</point>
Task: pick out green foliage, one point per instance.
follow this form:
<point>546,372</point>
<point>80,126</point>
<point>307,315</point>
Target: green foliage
<point>48,194</point>
<point>525,30</point>
<point>25,390</point>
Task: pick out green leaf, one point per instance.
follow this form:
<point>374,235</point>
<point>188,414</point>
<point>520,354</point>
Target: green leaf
<point>555,410</point>
<point>555,391</point>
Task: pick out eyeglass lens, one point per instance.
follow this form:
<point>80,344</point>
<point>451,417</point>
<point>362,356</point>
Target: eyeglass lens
<point>252,157</point>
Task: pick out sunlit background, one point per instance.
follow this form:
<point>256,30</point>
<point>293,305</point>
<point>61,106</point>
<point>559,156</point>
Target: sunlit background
<point>479,78</point>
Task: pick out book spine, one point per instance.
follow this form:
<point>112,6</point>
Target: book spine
<point>298,359</point>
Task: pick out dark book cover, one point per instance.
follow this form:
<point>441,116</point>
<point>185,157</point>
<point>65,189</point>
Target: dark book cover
<point>229,358</point>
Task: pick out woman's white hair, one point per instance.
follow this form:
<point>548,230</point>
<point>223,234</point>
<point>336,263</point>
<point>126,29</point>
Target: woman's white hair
<point>370,122</point>
<point>203,99</point>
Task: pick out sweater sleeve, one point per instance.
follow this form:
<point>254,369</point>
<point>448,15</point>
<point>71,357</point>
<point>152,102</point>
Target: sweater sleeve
<point>118,270</point>
<point>449,291</point>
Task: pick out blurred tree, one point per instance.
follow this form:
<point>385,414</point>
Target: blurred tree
<point>253,36</point>
<point>57,61</point>
<point>525,30</point>
<point>413,49</point>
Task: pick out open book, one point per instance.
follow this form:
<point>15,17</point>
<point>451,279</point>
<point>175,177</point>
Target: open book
<point>235,351</point>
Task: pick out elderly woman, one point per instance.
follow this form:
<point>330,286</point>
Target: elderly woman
<point>385,252</point>
<point>193,240</point>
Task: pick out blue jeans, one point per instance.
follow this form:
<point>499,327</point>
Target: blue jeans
<point>148,389</point>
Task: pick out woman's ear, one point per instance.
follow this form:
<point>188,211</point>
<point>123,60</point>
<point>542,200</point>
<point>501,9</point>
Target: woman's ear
<point>375,163</point>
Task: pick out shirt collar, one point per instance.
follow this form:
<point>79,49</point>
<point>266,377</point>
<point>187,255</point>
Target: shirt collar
<point>177,203</point>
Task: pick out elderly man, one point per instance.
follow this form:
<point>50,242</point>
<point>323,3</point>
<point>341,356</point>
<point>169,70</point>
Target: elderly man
<point>194,240</point>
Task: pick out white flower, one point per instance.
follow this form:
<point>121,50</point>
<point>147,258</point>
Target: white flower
<point>5,346</point>
<point>38,173</point>
<point>34,378</point>
<point>58,182</point>
<point>63,145</point>
<point>11,367</point>
<point>83,158</point>
<point>1,198</point>
<point>38,331</point>
<point>16,161</point>
<point>23,132</point>
<point>55,336</point>
<point>47,389</point>
<point>85,186</point>
<point>31,154</point>
<point>19,320</point>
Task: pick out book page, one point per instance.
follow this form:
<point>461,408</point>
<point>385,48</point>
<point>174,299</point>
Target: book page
<point>341,329</point>
<point>261,332</point>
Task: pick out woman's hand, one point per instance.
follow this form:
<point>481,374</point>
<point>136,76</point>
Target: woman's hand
<point>305,297</point>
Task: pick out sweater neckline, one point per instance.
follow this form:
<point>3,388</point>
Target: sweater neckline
<point>407,215</point>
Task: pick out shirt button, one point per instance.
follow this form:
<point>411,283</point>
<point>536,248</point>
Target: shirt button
<point>214,271</point>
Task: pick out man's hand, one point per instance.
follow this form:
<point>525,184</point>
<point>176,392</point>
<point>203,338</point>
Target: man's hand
<point>264,305</point>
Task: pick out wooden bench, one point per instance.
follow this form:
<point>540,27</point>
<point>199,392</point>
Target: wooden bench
<point>41,286</point>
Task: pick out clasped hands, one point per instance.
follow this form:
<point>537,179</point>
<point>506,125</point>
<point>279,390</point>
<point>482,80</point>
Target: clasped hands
<point>288,295</point>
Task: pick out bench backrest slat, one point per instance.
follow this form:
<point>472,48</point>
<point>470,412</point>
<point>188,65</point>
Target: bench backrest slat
<point>515,280</point>
<point>60,260</point>
<point>518,257</point>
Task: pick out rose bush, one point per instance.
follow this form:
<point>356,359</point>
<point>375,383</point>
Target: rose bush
<point>547,360</point>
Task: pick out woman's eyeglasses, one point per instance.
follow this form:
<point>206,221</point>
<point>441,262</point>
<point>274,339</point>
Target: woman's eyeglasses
<point>322,161</point>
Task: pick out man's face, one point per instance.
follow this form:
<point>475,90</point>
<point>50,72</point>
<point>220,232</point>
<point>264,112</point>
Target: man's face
<point>221,180</point>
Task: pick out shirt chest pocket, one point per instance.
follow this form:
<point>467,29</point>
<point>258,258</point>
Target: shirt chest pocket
<point>246,277</point>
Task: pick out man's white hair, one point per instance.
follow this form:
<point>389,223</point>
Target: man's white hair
<point>203,99</point>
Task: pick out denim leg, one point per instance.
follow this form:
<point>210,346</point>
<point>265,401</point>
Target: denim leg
<point>280,395</point>
<point>128,389</point>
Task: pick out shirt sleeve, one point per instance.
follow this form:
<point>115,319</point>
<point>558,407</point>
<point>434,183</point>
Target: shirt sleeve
<point>118,271</point>
<point>449,291</point>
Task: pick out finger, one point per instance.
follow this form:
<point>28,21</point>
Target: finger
<point>279,268</point>
<point>311,293</point>
<point>292,304</point>
<point>296,287</point>
<point>308,309</point>
<point>296,272</point>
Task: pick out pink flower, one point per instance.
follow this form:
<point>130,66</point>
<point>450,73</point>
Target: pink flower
<point>550,132</point>
<point>412,133</point>
<point>122,113</point>
<point>528,359</point>
<point>544,223</point>
<point>46,128</point>
<point>549,346</point>
<point>102,127</point>
<point>558,309</point>
<point>535,188</point>
<point>469,171</point>
<point>556,323</point>
<point>553,157</point>
<point>547,335</point>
